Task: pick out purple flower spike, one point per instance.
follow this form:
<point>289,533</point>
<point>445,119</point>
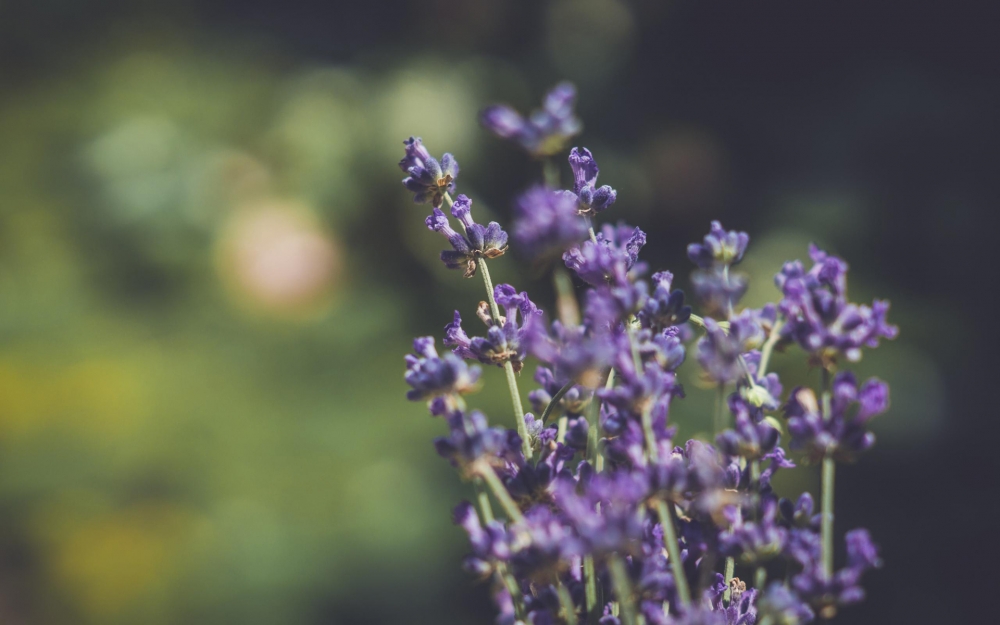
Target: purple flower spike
<point>478,241</point>
<point>665,308</point>
<point>820,318</point>
<point>841,434</point>
<point>428,179</point>
<point>431,375</point>
<point>719,247</point>
<point>610,259</point>
<point>592,199</point>
<point>546,222</point>
<point>783,607</point>
<point>504,341</point>
<point>472,440</point>
<point>719,351</point>
<point>826,594</point>
<point>546,131</point>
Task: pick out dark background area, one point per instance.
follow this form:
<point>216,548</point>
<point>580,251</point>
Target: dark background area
<point>869,127</point>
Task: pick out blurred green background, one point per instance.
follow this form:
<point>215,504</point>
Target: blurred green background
<point>209,274</point>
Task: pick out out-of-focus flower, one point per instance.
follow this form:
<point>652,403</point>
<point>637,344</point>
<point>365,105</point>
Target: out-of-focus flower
<point>543,133</point>
<point>719,247</point>
<point>546,222</point>
<point>664,308</point>
<point>431,375</point>
<point>591,198</point>
<point>820,318</point>
<point>719,351</point>
<point>839,433</point>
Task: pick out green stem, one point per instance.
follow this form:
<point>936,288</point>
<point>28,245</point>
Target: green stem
<point>700,321</point>
<point>555,400</point>
<point>760,578</point>
<point>590,585</point>
<point>673,552</point>
<point>765,352</point>
<point>508,368</point>
<point>623,588</point>
<point>566,602</point>
<point>485,471</point>
<point>566,304</point>
<point>829,467</point>
<point>486,517</point>
<point>483,501</point>
<point>730,567</point>
<point>590,228</point>
<point>720,408</point>
<point>515,592</point>
<point>647,431</point>
<point>561,430</point>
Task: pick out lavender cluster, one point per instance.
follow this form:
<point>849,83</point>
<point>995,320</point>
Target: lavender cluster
<point>606,518</point>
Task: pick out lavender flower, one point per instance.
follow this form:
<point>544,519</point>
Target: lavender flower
<point>605,504</point>
<point>428,179</point>
<point>546,131</point>
<point>748,439</point>
<point>472,440</point>
<point>841,434</point>
<point>591,198</point>
<point>756,542</point>
<point>546,223</point>
<point>489,542</point>
<point>431,375</point>
<point>820,318</point>
<point>478,242</point>
<point>610,259</point>
<point>719,351</point>
<point>714,285</point>
<point>781,606</point>
<point>719,248</point>
<point>573,401</point>
<point>615,526</point>
<point>664,308</point>
<point>573,353</point>
<point>826,594</point>
<point>503,341</point>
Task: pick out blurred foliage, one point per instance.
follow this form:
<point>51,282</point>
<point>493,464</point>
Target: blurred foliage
<point>209,276</point>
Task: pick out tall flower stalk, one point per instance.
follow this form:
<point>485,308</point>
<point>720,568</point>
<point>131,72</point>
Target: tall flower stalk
<point>606,517</point>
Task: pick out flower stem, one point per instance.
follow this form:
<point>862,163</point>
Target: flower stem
<point>566,603</point>
<point>730,567</point>
<point>485,471</point>
<point>566,304</point>
<point>590,228</point>
<point>561,429</point>
<point>623,588</point>
<point>555,400</point>
<point>515,394</point>
<point>829,467</point>
<point>674,552</point>
<point>760,578</point>
<point>765,352</point>
<point>720,408</point>
<point>483,501</point>
<point>590,584</point>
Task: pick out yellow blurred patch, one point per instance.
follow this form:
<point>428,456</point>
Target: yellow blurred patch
<point>116,561</point>
<point>102,397</point>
